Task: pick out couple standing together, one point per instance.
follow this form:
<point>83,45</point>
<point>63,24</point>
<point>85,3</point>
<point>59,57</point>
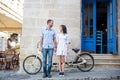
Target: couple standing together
<point>50,43</point>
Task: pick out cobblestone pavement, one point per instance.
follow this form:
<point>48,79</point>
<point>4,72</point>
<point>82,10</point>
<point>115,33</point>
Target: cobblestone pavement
<point>69,75</point>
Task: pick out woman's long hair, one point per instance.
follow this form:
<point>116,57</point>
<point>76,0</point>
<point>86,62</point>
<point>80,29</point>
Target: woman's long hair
<point>64,29</point>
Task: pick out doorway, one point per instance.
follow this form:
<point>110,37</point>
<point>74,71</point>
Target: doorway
<point>101,27</point>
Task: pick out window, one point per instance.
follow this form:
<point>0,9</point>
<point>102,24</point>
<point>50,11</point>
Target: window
<point>88,20</point>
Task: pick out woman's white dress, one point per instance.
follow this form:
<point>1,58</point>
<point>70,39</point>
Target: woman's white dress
<point>62,42</point>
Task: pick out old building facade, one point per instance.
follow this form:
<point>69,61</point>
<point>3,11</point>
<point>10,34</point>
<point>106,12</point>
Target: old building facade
<point>93,26</point>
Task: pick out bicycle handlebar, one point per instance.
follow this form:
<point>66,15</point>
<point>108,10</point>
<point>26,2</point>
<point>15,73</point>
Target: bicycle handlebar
<point>38,44</point>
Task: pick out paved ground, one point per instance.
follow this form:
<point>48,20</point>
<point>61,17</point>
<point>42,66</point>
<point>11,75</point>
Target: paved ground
<point>70,75</point>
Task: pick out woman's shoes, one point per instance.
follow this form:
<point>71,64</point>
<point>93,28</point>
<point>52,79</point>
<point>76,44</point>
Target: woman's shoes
<point>61,74</point>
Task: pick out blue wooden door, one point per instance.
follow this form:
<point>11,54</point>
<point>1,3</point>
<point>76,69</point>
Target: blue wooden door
<point>89,9</point>
<point>89,25</point>
<point>112,35</point>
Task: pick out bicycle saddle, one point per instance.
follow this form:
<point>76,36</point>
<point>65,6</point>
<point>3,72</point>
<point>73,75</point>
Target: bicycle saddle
<point>76,50</point>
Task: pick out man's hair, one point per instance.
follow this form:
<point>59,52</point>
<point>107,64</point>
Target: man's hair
<point>49,20</point>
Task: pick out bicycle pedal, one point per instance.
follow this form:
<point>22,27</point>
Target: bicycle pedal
<point>70,65</point>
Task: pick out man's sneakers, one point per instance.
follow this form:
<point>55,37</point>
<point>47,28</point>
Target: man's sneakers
<point>61,74</point>
<point>49,76</point>
<point>45,76</point>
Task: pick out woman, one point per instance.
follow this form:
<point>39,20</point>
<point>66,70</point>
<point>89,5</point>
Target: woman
<point>11,46</point>
<point>9,41</point>
<point>62,48</point>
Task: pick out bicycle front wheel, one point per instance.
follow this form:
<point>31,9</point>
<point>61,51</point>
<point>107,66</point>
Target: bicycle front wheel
<point>85,62</point>
<point>32,64</point>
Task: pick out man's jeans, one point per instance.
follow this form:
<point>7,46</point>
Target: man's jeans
<point>47,53</point>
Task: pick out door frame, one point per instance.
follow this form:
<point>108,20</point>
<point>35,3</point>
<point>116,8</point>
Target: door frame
<point>112,40</point>
<point>115,50</point>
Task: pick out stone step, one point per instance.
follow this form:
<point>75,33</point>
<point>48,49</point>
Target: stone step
<point>110,58</point>
<point>104,63</point>
<point>107,60</point>
<point>103,55</point>
<point>106,57</point>
<point>106,66</point>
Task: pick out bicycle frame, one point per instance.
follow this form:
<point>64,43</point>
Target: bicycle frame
<point>74,63</point>
<point>38,54</point>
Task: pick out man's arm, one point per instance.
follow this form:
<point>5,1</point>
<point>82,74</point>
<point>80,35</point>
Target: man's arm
<point>55,44</point>
<point>41,43</point>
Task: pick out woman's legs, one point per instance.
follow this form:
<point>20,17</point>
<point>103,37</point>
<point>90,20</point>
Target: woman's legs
<point>63,63</point>
<point>59,64</point>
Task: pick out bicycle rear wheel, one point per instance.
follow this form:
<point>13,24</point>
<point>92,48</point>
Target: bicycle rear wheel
<point>88,62</point>
<point>32,64</point>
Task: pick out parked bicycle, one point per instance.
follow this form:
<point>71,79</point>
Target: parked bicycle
<point>84,61</point>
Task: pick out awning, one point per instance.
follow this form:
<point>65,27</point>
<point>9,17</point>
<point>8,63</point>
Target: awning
<point>9,25</point>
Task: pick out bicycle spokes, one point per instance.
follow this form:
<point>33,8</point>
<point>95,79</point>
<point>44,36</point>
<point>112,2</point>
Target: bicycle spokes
<point>85,62</point>
<point>32,64</point>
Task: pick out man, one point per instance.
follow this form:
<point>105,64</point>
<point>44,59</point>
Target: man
<point>47,47</point>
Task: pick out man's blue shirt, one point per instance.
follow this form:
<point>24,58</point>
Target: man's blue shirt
<point>48,36</point>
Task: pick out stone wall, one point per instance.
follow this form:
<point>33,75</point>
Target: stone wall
<point>37,12</point>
